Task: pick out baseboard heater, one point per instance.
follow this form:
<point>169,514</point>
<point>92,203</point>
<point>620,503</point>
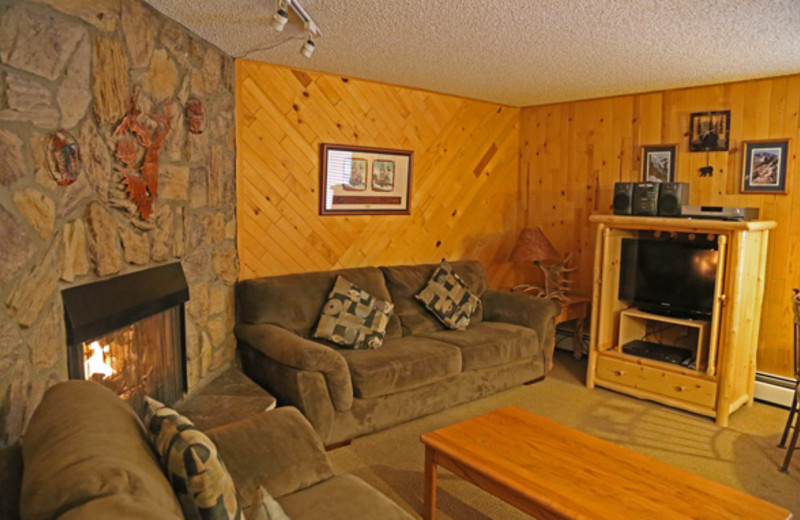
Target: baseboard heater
<point>774,389</point>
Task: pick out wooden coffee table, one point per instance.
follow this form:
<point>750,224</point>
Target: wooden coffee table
<point>551,471</point>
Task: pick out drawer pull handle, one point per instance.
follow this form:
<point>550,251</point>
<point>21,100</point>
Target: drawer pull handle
<point>619,372</point>
<point>680,388</point>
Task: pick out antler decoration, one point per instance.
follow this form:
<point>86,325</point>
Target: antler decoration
<point>141,180</point>
<point>556,285</point>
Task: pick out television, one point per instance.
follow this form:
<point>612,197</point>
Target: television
<point>669,276</point>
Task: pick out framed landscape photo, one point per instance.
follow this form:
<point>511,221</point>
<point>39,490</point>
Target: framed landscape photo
<point>658,163</point>
<point>764,168</point>
<point>360,180</point>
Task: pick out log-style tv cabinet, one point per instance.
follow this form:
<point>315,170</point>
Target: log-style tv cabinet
<point>718,376</point>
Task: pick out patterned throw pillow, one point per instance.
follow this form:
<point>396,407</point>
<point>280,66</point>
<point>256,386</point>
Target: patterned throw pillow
<point>448,298</point>
<point>202,484</point>
<point>352,317</point>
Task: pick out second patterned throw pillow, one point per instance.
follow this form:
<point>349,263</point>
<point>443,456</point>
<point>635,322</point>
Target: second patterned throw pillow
<point>448,298</point>
<point>352,317</point>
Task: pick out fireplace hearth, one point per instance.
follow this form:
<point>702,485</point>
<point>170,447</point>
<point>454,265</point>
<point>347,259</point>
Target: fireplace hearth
<point>127,333</point>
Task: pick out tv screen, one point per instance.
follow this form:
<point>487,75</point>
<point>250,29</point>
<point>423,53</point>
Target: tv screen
<point>669,276</point>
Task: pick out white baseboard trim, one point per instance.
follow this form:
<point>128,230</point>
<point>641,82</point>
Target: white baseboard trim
<point>774,389</point>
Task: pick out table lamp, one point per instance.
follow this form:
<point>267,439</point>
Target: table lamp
<point>532,246</point>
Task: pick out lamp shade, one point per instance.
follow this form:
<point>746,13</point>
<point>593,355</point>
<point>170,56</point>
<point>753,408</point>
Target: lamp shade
<point>533,246</point>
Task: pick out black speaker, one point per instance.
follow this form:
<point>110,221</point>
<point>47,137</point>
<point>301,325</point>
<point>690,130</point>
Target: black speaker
<point>672,196</point>
<point>645,198</point>
<point>623,198</point>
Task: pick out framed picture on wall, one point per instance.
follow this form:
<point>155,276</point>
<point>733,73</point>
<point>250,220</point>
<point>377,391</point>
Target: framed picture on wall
<point>764,169</point>
<point>360,180</point>
<point>710,131</point>
<point>658,163</point>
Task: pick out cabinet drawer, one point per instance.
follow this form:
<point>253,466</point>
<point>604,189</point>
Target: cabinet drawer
<point>680,387</point>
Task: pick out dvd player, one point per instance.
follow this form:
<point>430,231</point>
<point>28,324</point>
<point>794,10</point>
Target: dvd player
<point>720,212</point>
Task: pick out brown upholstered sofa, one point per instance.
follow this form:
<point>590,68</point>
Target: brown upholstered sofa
<point>86,456</point>
<point>420,369</point>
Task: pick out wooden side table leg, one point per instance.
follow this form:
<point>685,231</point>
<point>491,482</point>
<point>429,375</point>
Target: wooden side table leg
<point>577,344</point>
<point>429,512</point>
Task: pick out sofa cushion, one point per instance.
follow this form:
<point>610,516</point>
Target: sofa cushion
<point>198,476</point>
<point>405,281</point>
<point>352,317</point>
<point>83,443</point>
<point>266,508</point>
<point>401,364</point>
<point>259,453</point>
<point>491,343</point>
<point>119,507</point>
<point>448,298</point>
<point>294,301</point>
<point>343,497</point>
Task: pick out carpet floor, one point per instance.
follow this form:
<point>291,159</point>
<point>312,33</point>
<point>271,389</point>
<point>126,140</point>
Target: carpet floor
<point>743,455</point>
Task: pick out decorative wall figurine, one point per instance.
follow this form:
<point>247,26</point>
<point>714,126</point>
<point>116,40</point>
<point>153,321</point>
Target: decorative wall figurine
<point>194,116</point>
<point>63,157</point>
<point>141,177</point>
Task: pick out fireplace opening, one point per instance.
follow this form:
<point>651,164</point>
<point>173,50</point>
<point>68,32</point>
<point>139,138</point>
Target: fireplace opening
<point>127,333</point>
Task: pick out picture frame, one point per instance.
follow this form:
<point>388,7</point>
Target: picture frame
<point>710,131</point>
<point>361,180</point>
<point>658,163</point>
<point>764,169</point>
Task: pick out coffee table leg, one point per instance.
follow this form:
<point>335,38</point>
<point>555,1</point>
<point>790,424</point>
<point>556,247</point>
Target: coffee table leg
<point>430,484</point>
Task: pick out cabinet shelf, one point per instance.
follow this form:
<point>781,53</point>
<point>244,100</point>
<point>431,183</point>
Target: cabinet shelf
<point>666,336</point>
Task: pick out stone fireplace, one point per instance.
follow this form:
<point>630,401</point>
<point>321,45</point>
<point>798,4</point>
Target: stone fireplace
<point>72,67</point>
<point>127,333</point>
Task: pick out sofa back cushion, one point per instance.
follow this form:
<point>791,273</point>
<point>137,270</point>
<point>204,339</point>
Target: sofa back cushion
<point>405,281</point>
<point>295,301</point>
<point>84,443</point>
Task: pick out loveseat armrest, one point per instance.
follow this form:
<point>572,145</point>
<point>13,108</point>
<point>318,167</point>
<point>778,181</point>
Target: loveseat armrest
<point>277,449</point>
<point>287,348</point>
<point>528,311</point>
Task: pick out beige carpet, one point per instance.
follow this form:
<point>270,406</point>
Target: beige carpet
<point>743,456</point>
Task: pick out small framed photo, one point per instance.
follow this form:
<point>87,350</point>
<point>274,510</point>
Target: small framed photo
<point>710,131</point>
<point>764,168</point>
<point>658,163</point>
<point>360,180</point>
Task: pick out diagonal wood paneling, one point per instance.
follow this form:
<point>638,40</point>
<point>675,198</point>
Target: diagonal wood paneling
<point>572,153</point>
<point>465,181</point>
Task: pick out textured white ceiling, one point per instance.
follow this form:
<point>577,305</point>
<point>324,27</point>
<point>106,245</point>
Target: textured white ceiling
<point>516,52</point>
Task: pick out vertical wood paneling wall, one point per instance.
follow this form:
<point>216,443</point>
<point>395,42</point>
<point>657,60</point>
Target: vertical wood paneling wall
<point>573,153</point>
<point>465,180</point>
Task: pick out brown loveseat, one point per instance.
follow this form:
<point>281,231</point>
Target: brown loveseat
<point>86,456</point>
<point>420,369</point>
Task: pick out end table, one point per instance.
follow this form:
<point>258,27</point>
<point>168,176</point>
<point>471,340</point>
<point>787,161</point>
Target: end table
<point>577,309</point>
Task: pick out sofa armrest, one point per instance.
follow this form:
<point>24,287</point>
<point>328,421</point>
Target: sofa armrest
<point>528,311</point>
<point>277,449</point>
<point>289,349</point>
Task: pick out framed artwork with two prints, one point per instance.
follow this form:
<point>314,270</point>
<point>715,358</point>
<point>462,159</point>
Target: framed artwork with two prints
<point>360,180</point>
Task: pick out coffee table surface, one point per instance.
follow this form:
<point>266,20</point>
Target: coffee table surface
<point>553,472</point>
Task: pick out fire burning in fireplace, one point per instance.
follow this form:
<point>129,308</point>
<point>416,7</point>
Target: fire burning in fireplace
<point>140,359</point>
<point>95,361</point>
<point>126,333</point>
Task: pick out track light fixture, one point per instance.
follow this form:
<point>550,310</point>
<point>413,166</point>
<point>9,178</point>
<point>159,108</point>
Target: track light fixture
<point>279,20</point>
<point>307,49</point>
<point>282,16</point>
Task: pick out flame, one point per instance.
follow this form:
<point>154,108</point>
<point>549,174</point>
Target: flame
<point>95,364</point>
